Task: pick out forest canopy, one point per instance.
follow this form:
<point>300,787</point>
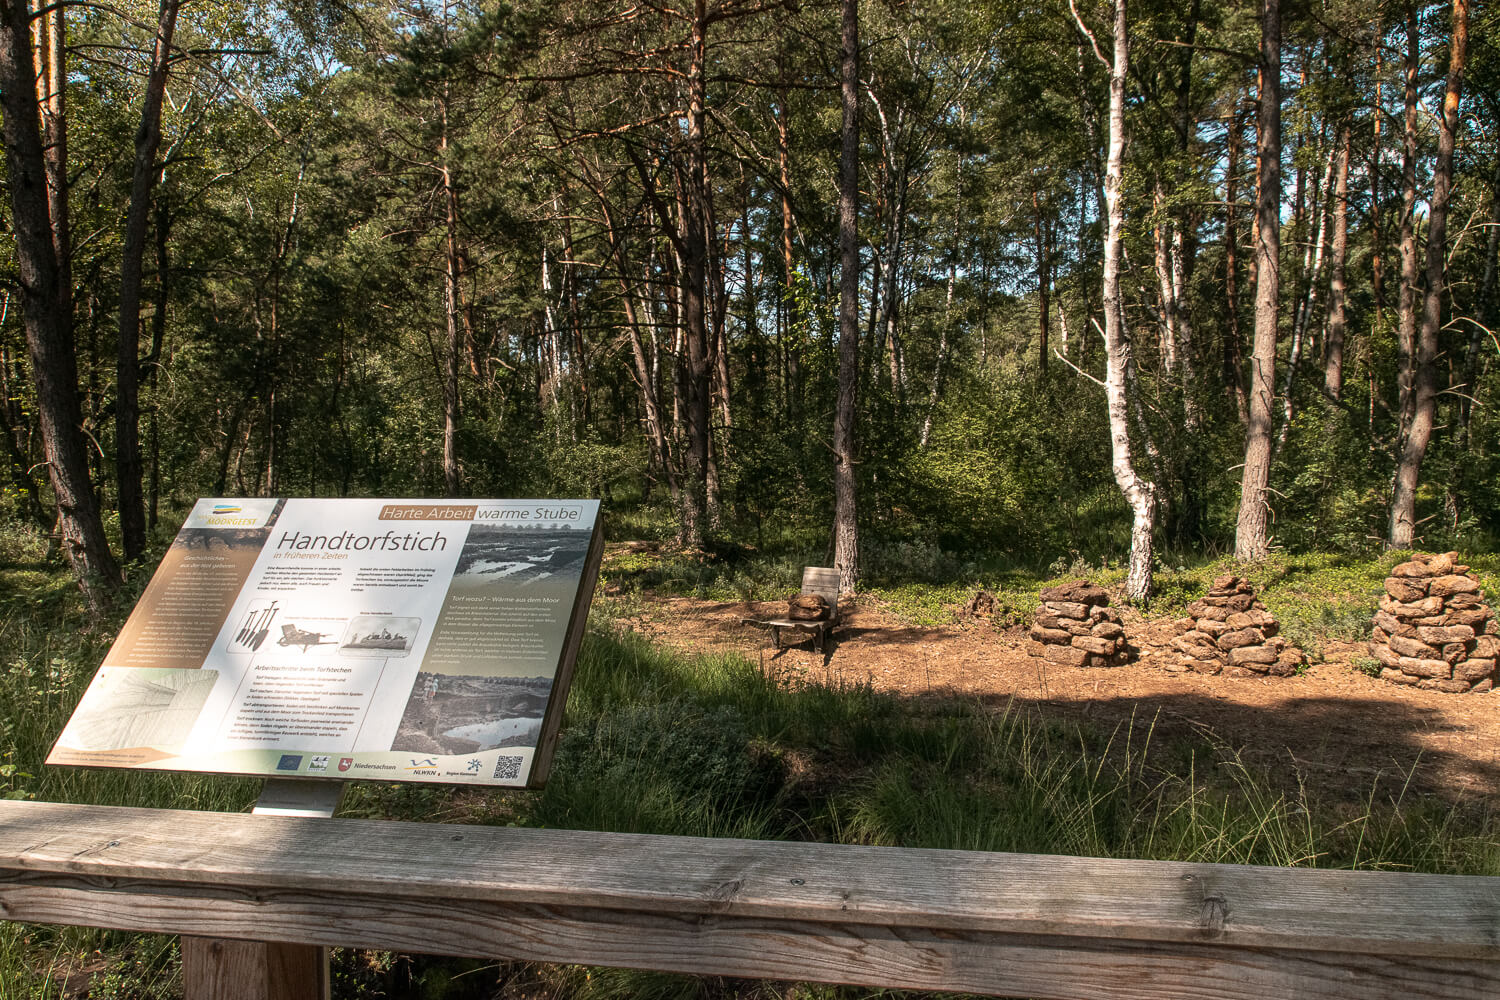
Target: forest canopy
<point>661,254</point>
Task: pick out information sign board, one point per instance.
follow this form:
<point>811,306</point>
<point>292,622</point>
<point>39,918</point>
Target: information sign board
<point>399,640</point>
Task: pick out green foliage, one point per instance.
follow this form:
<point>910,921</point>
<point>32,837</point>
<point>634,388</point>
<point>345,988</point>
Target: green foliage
<point>669,766</point>
<point>71,963</point>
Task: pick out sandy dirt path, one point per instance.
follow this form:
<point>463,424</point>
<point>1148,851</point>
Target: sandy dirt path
<point>1334,726</point>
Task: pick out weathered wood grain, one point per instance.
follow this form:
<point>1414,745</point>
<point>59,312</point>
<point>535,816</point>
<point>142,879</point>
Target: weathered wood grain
<point>1067,968</point>
<point>217,969</point>
<point>983,923</point>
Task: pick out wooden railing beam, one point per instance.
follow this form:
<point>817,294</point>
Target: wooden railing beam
<point>1007,925</point>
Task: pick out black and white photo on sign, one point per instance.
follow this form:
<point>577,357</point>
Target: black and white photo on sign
<point>521,555</point>
<point>457,714</point>
<point>380,635</point>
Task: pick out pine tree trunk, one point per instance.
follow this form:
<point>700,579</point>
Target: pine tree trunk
<point>694,496</point>
<point>156,360</point>
<point>1424,390</point>
<point>1181,263</point>
<point>1233,354</point>
<point>894,360</point>
<point>1251,541</point>
<point>1377,238</point>
<point>453,349</point>
<point>128,472</point>
<point>53,72</point>
<point>789,349</point>
<point>47,312</point>
<point>845,515</point>
<point>1333,347</point>
<point>1043,281</point>
<point>1406,298</point>
<point>1167,320</point>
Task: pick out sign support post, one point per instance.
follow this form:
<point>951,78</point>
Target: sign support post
<point>222,969</point>
<point>227,969</point>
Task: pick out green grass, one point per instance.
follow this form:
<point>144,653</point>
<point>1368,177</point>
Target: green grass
<point>661,742</point>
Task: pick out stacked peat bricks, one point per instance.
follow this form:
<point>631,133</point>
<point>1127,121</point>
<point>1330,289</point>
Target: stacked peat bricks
<point>1076,626</point>
<point>1433,629</point>
<point>1229,630</point>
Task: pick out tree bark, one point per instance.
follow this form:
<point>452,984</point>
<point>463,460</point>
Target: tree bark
<point>790,348</point>
<point>845,514</point>
<point>1251,541</point>
<point>453,343</point>
<point>1233,354</point>
<point>1043,284</point>
<point>1406,296</point>
<point>1377,238</point>
<point>1181,265</point>
<point>127,399</point>
<point>1414,442</point>
<point>1140,494</point>
<point>1333,346</point>
<point>892,337</point>
<point>1118,366</point>
<point>1167,320</point>
<point>694,495</point>
<point>47,313</point>
<point>53,105</point>
<point>154,360</point>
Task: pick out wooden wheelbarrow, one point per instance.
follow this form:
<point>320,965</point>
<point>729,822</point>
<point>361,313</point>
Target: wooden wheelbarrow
<point>818,580</point>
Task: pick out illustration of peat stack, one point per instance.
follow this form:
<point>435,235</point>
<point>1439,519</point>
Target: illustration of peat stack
<point>1076,626</point>
<point>1433,629</point>
<point>1229,629</point>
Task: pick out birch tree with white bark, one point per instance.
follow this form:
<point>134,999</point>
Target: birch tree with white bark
<point>1139,492</point>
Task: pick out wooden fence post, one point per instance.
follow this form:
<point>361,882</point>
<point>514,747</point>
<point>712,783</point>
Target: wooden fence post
<point>223,969</point>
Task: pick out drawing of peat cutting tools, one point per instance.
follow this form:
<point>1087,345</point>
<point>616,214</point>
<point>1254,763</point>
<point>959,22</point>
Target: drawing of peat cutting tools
<point>247,627</point>
<point>263,626</point>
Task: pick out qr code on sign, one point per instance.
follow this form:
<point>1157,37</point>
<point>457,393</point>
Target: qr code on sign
<point>507,767</point>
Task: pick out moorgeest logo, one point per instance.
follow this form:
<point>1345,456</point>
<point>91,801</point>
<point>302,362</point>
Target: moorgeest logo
<point>226,508</point>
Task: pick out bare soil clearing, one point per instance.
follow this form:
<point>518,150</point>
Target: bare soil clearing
<point>1333,727</point>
